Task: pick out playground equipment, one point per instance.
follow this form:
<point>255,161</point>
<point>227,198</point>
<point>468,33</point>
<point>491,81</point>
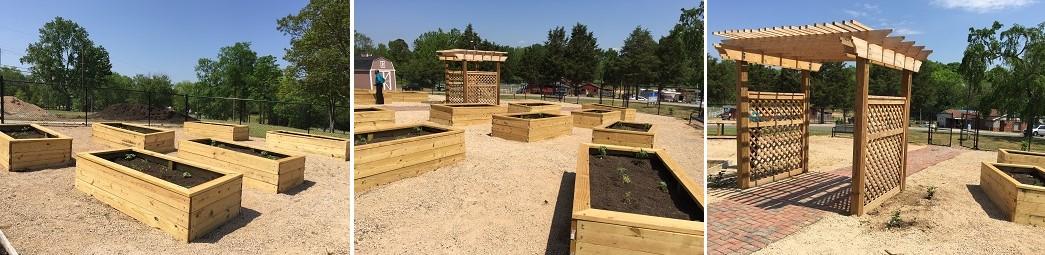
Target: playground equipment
<point>775,145</point>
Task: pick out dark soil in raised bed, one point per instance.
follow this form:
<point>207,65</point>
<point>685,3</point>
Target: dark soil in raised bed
<point>161,168</point>
<point>132,128</point>
<point>24,132</point>
<point>644,194</point>
<point>309,136</point>
<point>243,149</point>
<point>394,134</point>
<point>1025,153</point>
<point>531,116</point>
<point>1028,176</point>
<point>630,126</point>
<point>597,111</point>
<point>218,124</point>
<point>533,103</point>
<point>3,251</point>
<point>366,110</point>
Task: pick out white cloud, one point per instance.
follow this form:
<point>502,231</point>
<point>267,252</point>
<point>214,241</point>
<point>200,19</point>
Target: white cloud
<point>855,13</point>
<point>982,6</point>
<point>906,31</point>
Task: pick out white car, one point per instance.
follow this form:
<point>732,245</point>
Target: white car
<point>1038,130</point>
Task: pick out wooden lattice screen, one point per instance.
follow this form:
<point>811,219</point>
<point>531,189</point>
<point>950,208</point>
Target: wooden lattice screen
<point>472,86</point>
<point>885,151</point>
<point>776,127</point>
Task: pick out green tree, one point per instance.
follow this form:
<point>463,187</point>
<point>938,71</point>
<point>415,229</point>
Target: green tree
<point>64,57</point>
<point>581,57</point>
<point>319,54</point>
<point>364,45</point>
<point>470,40</point>
<point>639,58</point>
<point>424,67</point>
<point>554,65</point>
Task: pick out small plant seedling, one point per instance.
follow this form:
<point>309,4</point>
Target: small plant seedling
<point>129,156</point>
<point>671,111</point>
<point>642,154</point>
<point>663,186</point>
<point>360,140</point>
<point>418,129</point>
<point>186,175</point>
<point>264,153</point>
<point>895,220</point>
<point>602,151</point>
<point>213,143</point>
<point>623,173</point>
<point>930,192</point>
<point>628,199</point>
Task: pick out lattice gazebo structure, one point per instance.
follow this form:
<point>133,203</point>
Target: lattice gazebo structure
<point>467,83</point>
<point>773,127</point>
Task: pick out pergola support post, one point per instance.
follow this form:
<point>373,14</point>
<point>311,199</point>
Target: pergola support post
<point>805,120</point>
<point>743,133</point>
<point>906,77</point>
<point>863,70</point>
<point>464,80</point>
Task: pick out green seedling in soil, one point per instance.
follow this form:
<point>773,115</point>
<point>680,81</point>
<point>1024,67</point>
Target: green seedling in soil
<point>628,199</point>
<point>213,143</point>
<point>895,220</point>
<point>663,186</point>
<point>360,140</point>
<point>642,154</point>
<point>129,156</point>
<point>602,151</point>
<point>186,175</point>
<point>623,173</point>
<point>930,192</point>
<point>1024,146</point>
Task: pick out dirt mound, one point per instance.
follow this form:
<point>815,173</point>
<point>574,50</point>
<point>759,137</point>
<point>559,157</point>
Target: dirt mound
<point>131,111</point>
<point>16,108</point>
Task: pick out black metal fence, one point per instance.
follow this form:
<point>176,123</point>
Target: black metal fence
<point>31,101</point>
<point>684,103</point>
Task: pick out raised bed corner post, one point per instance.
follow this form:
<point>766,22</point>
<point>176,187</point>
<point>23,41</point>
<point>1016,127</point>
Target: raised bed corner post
<point>743,134</point>
<point>863,71</point>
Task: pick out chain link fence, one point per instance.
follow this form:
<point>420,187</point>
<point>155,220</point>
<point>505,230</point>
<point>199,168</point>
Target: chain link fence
<point>31,101</point>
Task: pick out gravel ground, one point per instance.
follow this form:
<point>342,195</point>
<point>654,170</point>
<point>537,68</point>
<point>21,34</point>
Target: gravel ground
<point>959,220</point>
<point>506,198</point>
<point>42,213</point>
<point>825,153</point>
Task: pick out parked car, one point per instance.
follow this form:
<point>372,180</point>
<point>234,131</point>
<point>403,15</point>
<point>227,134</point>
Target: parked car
<point>1038,130</point>
<point>412,87</point>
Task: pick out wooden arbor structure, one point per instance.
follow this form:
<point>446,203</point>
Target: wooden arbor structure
<point>467,84</point>
<point>773,128</point>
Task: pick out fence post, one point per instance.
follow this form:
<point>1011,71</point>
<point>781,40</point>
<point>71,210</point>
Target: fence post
<point>185,112</point>
<point>148,107</point>
<point>2,94</point>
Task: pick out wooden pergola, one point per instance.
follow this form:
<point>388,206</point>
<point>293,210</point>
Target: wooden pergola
<point>464,85</point>
<point>773,127</point>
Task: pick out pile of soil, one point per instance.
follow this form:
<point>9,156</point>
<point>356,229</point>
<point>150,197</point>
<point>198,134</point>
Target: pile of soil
<point>243,149</point>
<point>23,132</point>
<point>131,111</point>
<point>624,182</point>
<point>394,134</point>
<point>16,108</point>
<point>630,126</point>
<point>159,168</point>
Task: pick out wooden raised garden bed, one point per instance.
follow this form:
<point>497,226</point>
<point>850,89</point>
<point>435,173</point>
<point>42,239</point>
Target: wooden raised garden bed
<point>1017,190</point>
<point>390,154</point>
<point>6,248</point>
<point>366,118</point>
<point>594,117</point>
<point>627,114</point>
<point>218,130</point>
<point>634,201</point>
<point>1021,157</point>
<point>534,107</point>
<point>267,170</point>
<point>624,133</point>
<point>120,135</point>
<point>530,127</point>
<point>29,146</point>
<point>456,115</point>
<point>296,141</point>
<point>180,197</point>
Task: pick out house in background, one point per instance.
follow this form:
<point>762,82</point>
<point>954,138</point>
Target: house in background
<point>364,73</point>
<point>955,118</point>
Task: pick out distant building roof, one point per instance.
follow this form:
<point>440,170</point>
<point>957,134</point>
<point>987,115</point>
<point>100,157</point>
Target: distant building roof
<point>367,63</point>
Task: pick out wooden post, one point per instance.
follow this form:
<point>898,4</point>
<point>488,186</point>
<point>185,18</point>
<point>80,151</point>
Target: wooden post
<point>497,91</point>
<point>446,78</point>
<point>743,134</point>
<point>863,71</point>
<point>905,91</point>
<point>464,81</point>
<point>805,121</point>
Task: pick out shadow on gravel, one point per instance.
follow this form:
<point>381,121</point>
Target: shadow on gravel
<point>246,215</point>
<point>559,233</point>
<point>985,202</point>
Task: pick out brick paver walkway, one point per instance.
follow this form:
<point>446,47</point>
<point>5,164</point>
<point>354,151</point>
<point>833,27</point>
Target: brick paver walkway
<point>745,221</point>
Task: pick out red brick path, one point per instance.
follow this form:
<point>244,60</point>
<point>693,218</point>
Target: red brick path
<point>745,221</point>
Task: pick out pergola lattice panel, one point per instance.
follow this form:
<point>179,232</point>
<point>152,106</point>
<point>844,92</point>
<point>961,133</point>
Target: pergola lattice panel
<point>472,86</point>
<point>886,125</point>
<point>777,133</point>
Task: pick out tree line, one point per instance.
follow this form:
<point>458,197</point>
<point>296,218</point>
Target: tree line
<point>568,57</point>
<point>64,60</point>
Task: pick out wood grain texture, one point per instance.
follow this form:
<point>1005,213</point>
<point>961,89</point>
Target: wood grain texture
<point>310,143</point>
<point>17,155</point>
<point>1021,203</point>
<point>104,134</point>
<point>218,130</point>
<point>509,126</point>
<point>259,173</point>
<point>605,135</point>
<point>385,162</point>
<point>627,114</point>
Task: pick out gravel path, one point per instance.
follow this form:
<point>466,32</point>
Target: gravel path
<point>42,213</point>
<point>506,198</point>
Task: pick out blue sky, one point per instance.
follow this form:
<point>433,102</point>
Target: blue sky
<point>941,25</point>
<point>516,23</point>
<point>153,37</point>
